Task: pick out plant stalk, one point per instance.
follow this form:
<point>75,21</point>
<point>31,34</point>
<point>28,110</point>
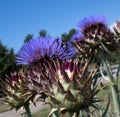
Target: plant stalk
<point>114,86</point>
<point>27,109</point>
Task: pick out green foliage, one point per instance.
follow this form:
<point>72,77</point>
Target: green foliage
<point>67,36</point>
<point>7,61</point>
<point>43,33</point>
<point>28,37</point>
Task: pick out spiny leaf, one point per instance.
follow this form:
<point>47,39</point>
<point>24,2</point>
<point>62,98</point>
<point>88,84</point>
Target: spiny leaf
<point>53,113</point>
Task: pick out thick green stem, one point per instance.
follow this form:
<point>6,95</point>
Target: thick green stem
<point>27,109</point>
<point>114,86</point>
<point>115,96</point>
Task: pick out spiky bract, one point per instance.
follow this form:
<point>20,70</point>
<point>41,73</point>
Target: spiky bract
<point>20,89</point>
<point>69,86</point>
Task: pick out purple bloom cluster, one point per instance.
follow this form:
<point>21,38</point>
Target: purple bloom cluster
<point>42,47</point>
<point>91,21</point>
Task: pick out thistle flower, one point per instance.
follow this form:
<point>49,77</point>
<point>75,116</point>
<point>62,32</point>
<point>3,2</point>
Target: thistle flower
<point>99,41</point>
<point>92,24</point>
<point>98,37</point>
<point>70,86</point>
<point>18,90</point>
<point>44,47</point>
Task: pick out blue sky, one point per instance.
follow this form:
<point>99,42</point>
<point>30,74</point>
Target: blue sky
<point>21,17</point>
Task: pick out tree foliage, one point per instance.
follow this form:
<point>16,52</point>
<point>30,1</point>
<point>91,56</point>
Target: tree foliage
<point>67,36</point>
<point>43,33</point>
<point>7,61</point>
<point>28,37</point>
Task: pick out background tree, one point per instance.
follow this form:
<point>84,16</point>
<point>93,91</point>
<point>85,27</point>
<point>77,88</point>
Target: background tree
<point>7,61</point>
<point>67,36</point>
<point>28,37</point>
<point>43,33</point>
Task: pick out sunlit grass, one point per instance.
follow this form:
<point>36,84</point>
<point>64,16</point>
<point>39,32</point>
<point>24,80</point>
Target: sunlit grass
<point>42,113</point>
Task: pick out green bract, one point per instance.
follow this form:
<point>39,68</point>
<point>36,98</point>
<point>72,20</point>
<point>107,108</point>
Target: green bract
<point>70,86</point>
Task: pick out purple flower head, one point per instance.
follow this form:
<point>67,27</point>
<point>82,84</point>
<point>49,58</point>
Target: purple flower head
<point>91,21</point>
<point>42,47</point>
<point>78,36</point>
<point>98,37</point>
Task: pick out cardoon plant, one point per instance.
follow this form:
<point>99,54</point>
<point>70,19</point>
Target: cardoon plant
<point>67,83</point>
<point>18,88</point>
<point>96,37</point>
<point>98,41</point>
<point>39,50</point>
<point>70,87</point>
<point>36,52</point>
